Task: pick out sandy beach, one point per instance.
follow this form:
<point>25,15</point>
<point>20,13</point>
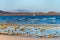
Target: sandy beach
<point>8,37</point>
<point>5,37</point>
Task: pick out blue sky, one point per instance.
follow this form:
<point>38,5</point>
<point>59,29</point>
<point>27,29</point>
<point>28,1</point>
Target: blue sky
<point>32,5</point>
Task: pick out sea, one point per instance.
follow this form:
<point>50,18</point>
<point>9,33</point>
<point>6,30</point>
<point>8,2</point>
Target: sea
<point>31,19</point>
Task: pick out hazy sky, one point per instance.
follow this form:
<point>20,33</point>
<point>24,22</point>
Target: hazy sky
<point>32,5</point>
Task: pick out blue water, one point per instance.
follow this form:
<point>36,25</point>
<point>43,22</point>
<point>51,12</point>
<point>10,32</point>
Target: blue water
<point>30,19</point>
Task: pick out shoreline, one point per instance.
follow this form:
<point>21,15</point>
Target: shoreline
<point>8,37</point>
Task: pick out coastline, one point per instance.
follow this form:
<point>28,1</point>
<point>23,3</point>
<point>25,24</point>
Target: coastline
<point>8,37</point>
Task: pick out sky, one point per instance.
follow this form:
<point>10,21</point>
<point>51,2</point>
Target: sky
<point>31,5</point>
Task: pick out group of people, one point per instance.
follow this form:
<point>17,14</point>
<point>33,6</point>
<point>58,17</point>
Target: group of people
<point>34,31</point>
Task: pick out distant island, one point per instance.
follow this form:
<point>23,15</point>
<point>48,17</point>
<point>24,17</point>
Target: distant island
<point>4,13</point>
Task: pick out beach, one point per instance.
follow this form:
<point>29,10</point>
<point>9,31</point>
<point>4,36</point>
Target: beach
<point>9,37</point>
